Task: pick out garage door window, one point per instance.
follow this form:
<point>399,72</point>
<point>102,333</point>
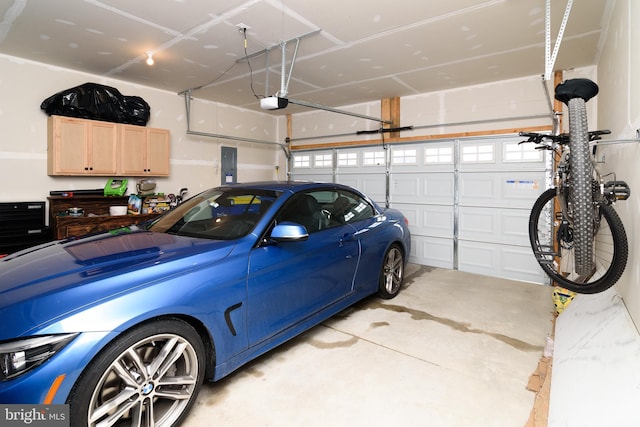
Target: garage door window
<point>516,152</point>
<point>478,153</point>
<point>323,160</point>
<point>373,158</point>
<point>438,155</point>
<point>348,159</point>
<point>301,161</point>
<point>404,157</point>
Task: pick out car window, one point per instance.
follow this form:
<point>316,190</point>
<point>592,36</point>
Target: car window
<point>304,209</point>
<point>318,210</point>
<point>348,207</point>
<point>217,214</point>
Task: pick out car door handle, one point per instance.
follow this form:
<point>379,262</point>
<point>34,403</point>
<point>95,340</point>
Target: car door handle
<point>347,237</point>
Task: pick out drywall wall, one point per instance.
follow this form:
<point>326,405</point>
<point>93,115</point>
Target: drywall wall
<point>597,341</point>
<point>504,105</point>
<point>619,111</point>
<point>194,159</point>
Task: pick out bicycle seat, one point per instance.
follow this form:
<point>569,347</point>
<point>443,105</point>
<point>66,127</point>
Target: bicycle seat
<point>576,88</point>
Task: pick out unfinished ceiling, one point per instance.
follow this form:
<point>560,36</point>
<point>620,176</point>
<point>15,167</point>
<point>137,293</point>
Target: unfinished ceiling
<point>349,52</point>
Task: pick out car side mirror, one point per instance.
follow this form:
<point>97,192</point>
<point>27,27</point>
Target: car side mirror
<point>289,232</point>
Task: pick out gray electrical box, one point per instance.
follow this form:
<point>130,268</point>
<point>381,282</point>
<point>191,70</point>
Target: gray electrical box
<point>228,165</point>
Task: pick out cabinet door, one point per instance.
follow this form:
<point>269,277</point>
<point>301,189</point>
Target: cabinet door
<point>81,147</point>
<point>91,147</point>
<point>67,148</point>
<point>157,152</point>
<point>103,139</point>
<point>133,149</point>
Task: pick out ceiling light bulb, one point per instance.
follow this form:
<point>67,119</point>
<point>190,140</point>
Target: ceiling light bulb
<point>150,60</point>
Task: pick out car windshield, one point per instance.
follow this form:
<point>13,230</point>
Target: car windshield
<point>220,213</point>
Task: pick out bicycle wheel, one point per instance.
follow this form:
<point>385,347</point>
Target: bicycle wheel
<point>580,196</point>
<point>553,245</point>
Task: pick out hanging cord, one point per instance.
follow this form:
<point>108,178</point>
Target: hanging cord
<point>211,82</point>
<point>246,55</point>
<point>224,73</point>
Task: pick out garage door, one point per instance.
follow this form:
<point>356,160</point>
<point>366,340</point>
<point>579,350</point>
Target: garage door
<point>422,186</point>
<point>499,180</point>
<point>467,200</point>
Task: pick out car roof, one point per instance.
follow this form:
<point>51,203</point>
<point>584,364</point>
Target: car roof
<point>289,186</point>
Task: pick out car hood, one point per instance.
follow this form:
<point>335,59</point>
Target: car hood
<point>93,268</point>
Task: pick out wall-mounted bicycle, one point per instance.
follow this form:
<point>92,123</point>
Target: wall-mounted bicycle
<point>577,237</point>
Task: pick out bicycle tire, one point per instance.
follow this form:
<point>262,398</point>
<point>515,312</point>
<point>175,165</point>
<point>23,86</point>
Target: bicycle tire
<point>580,199</point>
<point>553,249</point>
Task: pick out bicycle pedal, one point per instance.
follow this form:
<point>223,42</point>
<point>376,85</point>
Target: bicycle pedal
<point>618,189</point>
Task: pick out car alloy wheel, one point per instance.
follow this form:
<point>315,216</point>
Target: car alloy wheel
<point>392,273</point>
<point>150,377</point>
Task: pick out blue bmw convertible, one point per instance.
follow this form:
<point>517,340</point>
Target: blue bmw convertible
<point>125,326</point>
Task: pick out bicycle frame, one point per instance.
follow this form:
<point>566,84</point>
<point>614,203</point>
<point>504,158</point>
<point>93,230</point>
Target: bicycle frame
<point>555,252</point>
<point>563,181</point>
<point>576,236</point>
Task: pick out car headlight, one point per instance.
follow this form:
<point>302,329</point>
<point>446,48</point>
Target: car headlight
<point>19,356</point>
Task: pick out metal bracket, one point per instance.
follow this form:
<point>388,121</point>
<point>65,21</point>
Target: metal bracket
<point>550,58</point>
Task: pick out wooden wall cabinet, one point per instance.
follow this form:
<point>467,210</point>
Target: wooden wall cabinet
<point>96,217</point>
<point>91,147</point>
<point>144,151</point>
<point>81,147</point>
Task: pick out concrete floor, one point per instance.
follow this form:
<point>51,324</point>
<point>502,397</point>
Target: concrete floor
<point>453,349</point>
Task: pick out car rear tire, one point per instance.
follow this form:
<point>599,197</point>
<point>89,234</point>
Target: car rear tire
<point>149,376</point>
<point>392,273</point>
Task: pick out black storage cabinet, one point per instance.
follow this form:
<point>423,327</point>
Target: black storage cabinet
<point>22,225</point>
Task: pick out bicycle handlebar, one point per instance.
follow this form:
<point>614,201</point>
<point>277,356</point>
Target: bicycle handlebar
<point>562,139</point>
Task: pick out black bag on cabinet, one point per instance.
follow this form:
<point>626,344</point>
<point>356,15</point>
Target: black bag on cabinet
<point>98,102</point>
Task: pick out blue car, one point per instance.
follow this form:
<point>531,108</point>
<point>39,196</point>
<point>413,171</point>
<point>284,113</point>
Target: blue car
<point>125,326</point>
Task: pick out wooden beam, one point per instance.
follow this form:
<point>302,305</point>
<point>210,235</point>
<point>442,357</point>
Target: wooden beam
<point>390,111</point>
<point>557,105</point>
<point>346,144</point>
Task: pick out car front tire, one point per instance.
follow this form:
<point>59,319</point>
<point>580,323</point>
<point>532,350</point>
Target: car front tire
<point>149,376</point>
<point>392,273</point>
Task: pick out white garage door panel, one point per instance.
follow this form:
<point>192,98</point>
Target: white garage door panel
<point>523,266</point>
<point>312,177</point>
<point>507,189</point>
<point>428,220</point>
<point>430,188</point>
<point>496,225</point>
<point>431,251</point>
<point>375,186</point>
<point>438,189</point>
<point>499,154</point>
<point>499,260</point>
<point>404,188</point>
<point>355,181</point>
<point>312,166</point>
<point>371,185</point>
